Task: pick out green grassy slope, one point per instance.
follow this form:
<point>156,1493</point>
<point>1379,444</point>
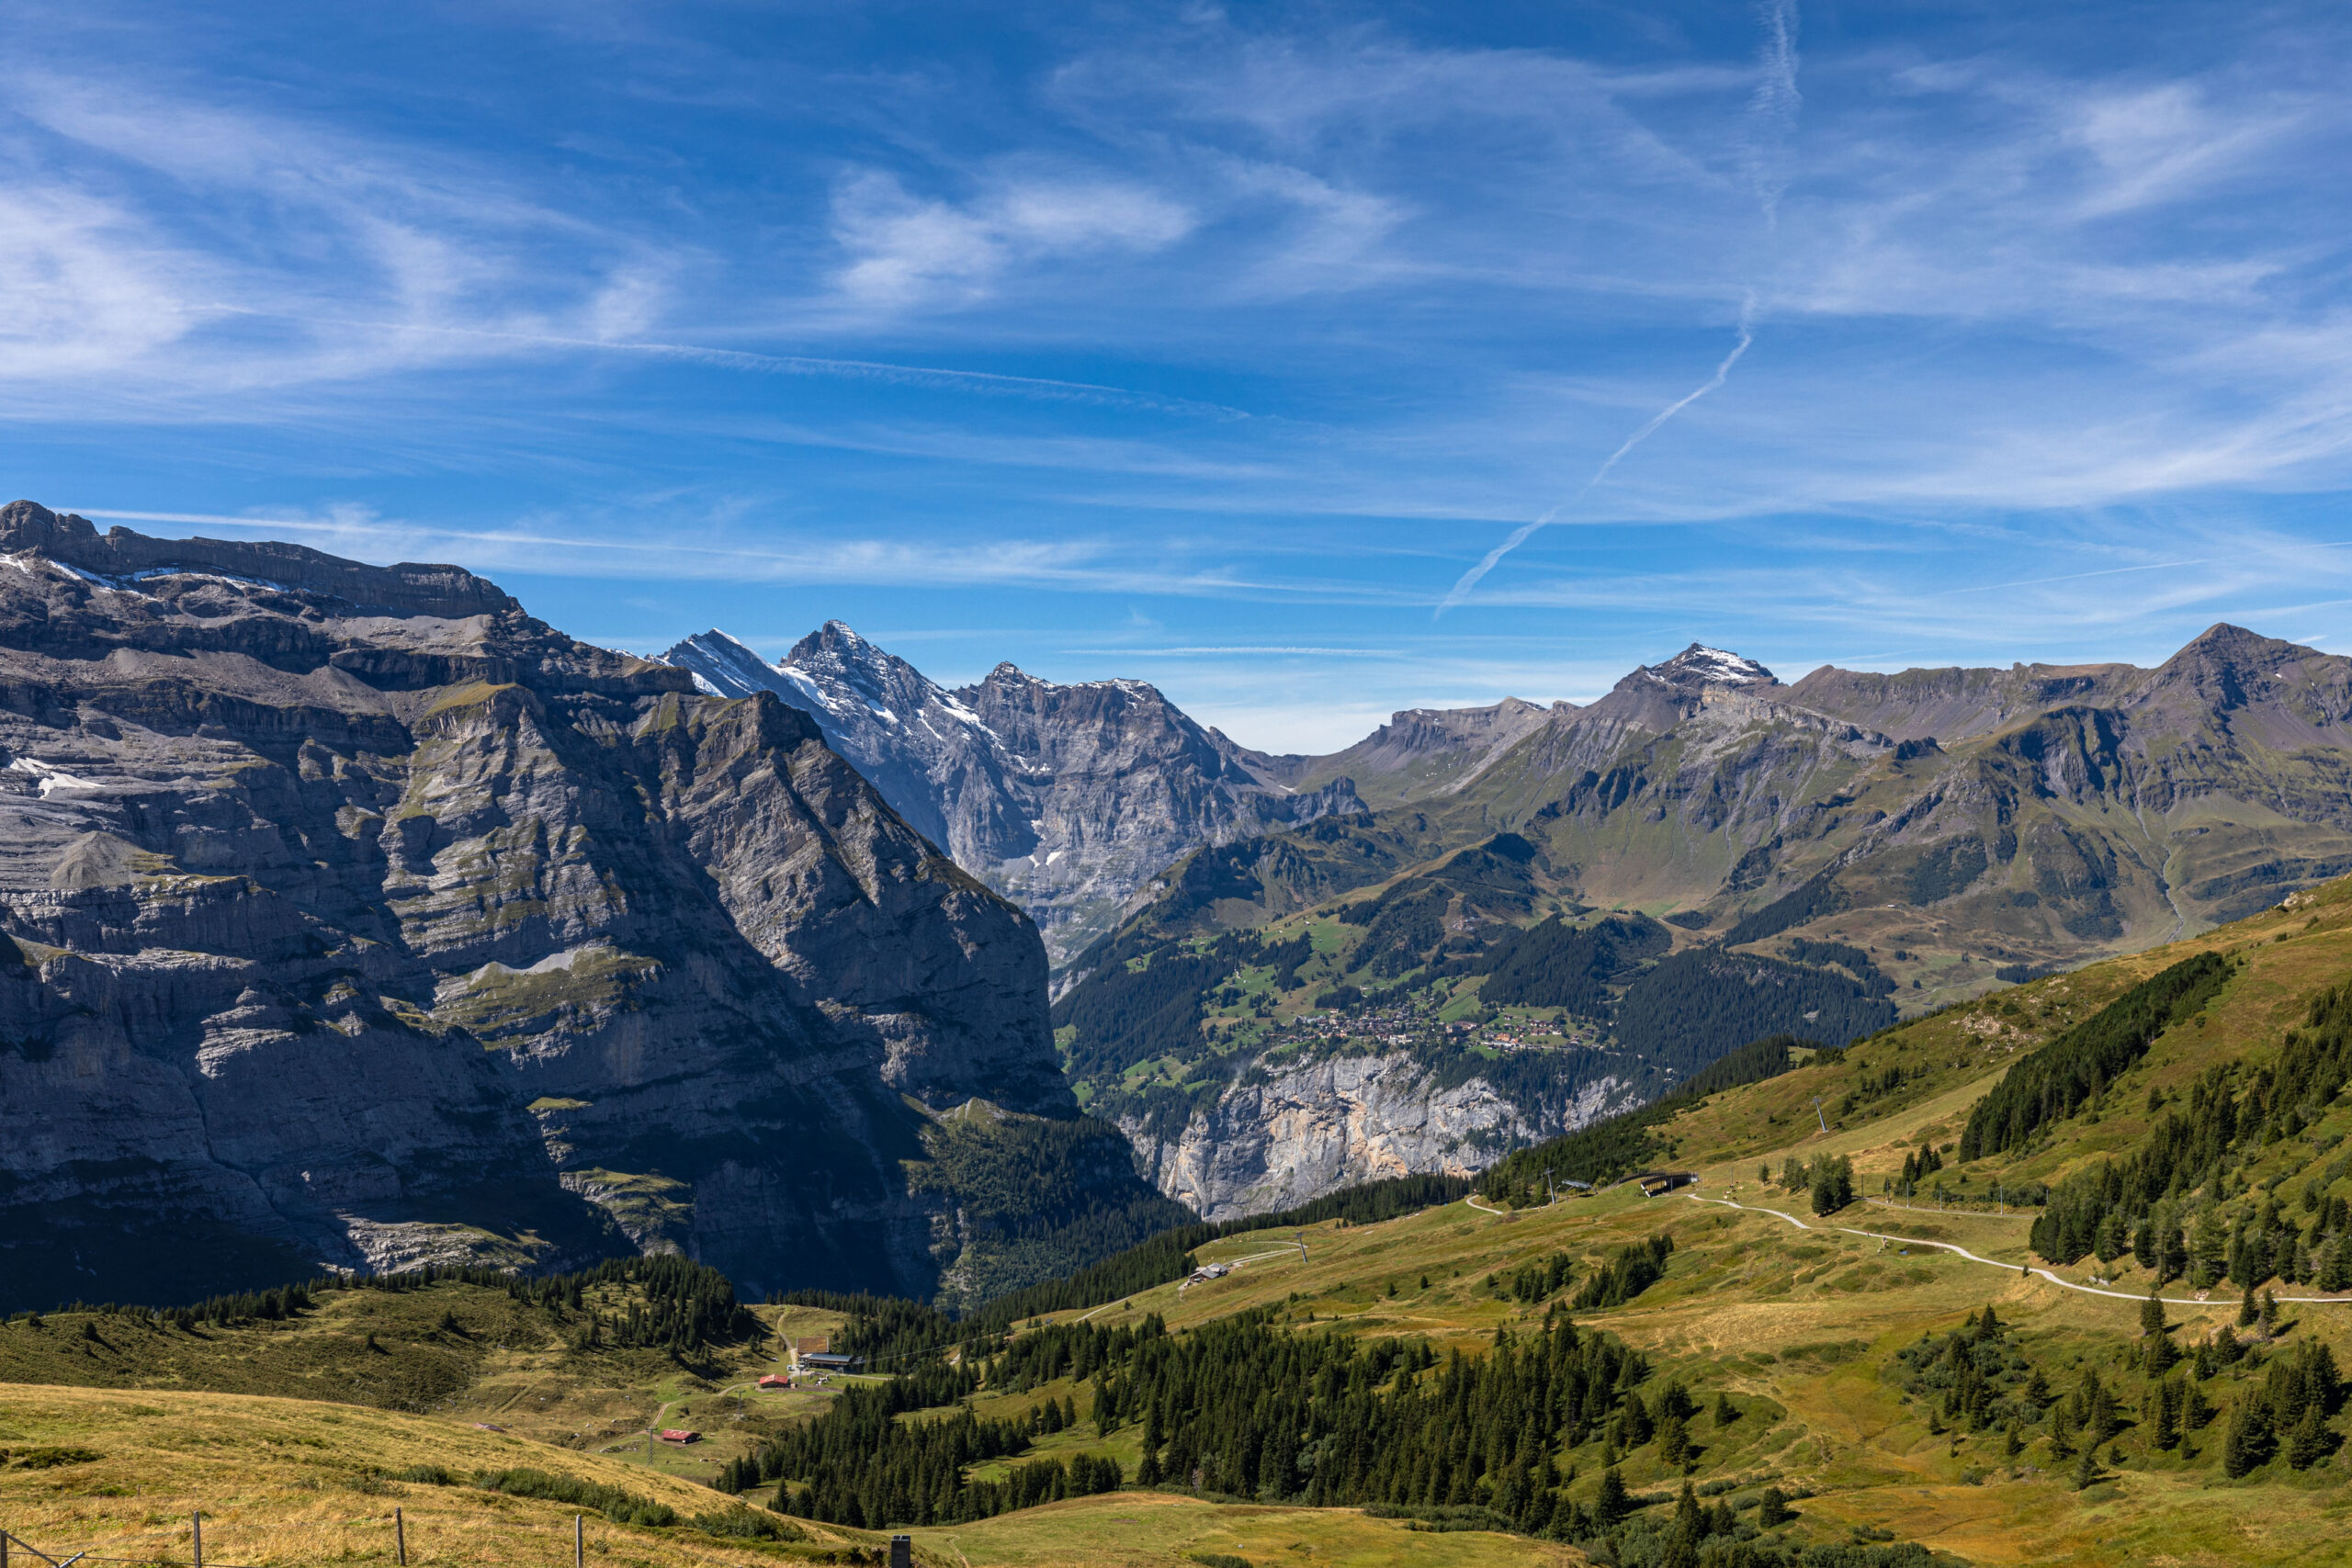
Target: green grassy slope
<point>2077,1435</point>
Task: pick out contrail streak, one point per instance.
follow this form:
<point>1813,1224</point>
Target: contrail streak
<point>1527,531</point>
<point>1773,109</point>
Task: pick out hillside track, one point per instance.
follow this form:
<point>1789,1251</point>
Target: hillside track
<point>2024,1270</point>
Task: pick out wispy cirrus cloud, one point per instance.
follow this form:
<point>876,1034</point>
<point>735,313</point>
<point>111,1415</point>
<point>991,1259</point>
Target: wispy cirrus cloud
<point>1272,322</point>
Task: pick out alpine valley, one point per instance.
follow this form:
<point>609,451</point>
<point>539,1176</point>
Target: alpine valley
<point>1480,926</point>
<point>356,919</point>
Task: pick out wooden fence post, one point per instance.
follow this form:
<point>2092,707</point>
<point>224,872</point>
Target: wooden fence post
<point>196,1524</point>
<point>579,1540</point>
<point>400,1538</point>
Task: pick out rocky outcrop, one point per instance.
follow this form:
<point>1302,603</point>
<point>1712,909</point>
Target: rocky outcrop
<point>352,916</point>
<point>1277,1139</point>
<point>1065,798</point>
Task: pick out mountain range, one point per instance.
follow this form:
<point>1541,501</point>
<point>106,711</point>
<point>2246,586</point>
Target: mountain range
<point>2035,815</point>
<point>1064,798</point>
<point>1799,858</point>
<point>350,916</point>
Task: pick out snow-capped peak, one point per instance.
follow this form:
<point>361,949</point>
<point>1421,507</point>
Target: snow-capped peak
<point>1714,667</point>
<point>722,665</point>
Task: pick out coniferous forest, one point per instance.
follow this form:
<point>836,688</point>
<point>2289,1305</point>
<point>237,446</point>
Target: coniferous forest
<point>1256,1408</point>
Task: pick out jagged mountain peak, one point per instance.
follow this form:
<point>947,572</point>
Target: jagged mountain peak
<point>837,638</point>
<point>722,666</point>
<point>1698,664</point>
<point>1063,797</point>
<point>1008,673</point>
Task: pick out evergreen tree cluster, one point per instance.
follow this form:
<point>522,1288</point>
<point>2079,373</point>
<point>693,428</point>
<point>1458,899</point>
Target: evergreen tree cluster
<point>2288,1414</point>
<point>1631,1270</point>
<point>2053,1082</point>
<point>863,1466</point>
<point>1534,1282</point>
<point>1686,1011</point>
<point>1557,964</point>
<point>1977,1378</point>
<point>1976,1375</point>
<point>267,1306</point>
<point>1804,950</point>
<point>2148,1201</point>
<point>1243,1407</point>
<point>1917,1165</point>
<point>1828,1179</point>
<point>682,1306</point>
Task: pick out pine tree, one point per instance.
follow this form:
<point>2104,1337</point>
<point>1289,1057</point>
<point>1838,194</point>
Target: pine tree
<point>2164,1415</point>
<point>2103,1421</point>
<point>2087,1468</point>
<point>2247,1310</point>
<point>2152,1313</point>
<point>1724,1413</point>
<point>2309,1441</point>
<point>1673,1441</point>
<point>2336,1266</point>
<point>2269,1315</point>
<point>2238,1447</point>
<point>1773,1512</point>
<point>1612,1504</point>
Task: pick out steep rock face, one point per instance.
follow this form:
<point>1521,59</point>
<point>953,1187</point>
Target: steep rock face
<point>1275,1141</point>
<point>1065,798</point>
<point>353,917</point>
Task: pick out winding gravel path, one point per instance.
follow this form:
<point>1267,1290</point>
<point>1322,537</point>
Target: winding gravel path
<point>1997,1263</point>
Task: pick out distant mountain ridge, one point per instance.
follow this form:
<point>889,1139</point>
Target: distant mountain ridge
<point>1065,798</point>
<point>1855,842</point>
<point>1702,784</point>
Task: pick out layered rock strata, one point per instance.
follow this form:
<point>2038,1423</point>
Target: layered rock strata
<point>351,916</point>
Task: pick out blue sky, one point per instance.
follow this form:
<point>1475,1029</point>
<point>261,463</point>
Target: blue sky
<point>1219,346</point>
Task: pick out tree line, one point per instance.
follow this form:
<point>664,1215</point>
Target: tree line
<point>1247,1408</point>
<point>2053,1082</point>
<point>2158,1201</point>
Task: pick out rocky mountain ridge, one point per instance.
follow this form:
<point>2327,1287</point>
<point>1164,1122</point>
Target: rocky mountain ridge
<point>1850,843</point>
<point>351,916</point>
<point>1064,798</point>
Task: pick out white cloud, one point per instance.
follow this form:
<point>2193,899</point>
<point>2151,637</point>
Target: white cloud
<point>907,252</point>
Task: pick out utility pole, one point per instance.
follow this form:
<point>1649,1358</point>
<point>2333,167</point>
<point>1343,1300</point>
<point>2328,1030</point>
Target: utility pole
<point>1550,1194</point>
<point>1818,1116</point>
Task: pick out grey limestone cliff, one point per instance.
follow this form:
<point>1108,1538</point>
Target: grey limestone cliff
<point>1279,1137</point>
<point>349,916</point>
